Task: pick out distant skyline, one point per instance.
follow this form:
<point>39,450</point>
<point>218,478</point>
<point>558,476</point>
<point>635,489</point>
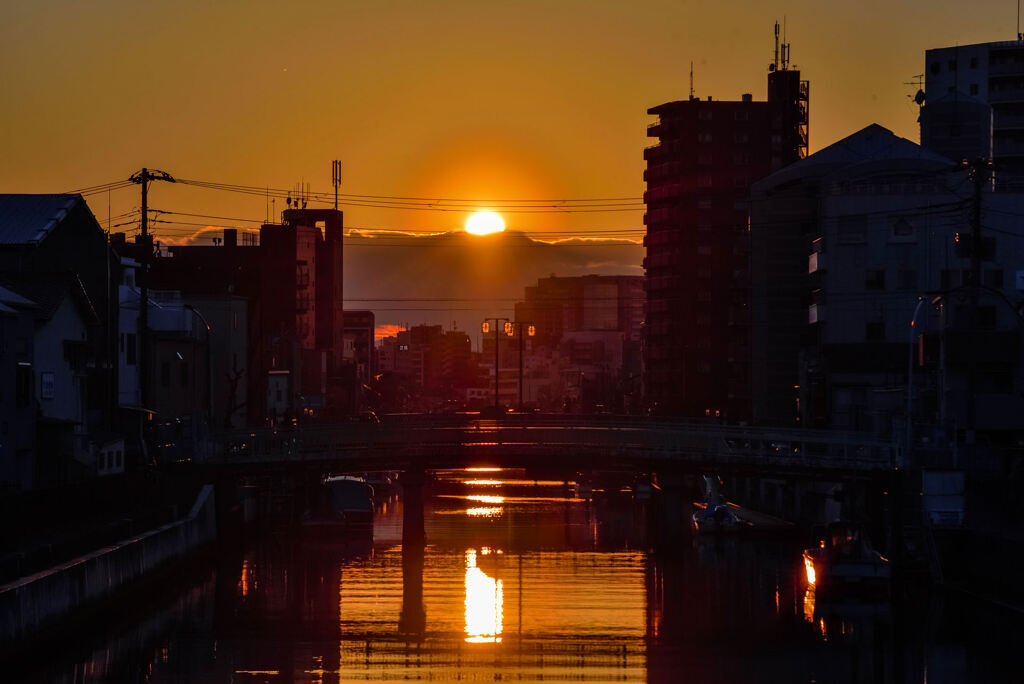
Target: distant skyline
<point>455,99</point>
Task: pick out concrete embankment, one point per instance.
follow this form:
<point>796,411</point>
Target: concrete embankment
<point>32,603</point>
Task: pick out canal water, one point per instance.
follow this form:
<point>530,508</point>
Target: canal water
<point>524,580</point>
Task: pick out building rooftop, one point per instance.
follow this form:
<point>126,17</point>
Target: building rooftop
<point>28,219</point>
<point>47,291</point>
<point>870,144</point>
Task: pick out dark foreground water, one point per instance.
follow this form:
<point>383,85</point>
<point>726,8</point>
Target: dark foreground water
<point>521,581</point>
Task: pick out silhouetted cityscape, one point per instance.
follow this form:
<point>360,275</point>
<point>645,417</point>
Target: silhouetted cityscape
<point>821,349</point>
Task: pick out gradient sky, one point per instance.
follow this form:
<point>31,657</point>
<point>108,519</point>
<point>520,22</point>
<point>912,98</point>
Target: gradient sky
<point>456,99</point>
<point>483,99</point>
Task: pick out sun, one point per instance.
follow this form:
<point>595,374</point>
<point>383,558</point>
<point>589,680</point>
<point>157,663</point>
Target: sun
<point>484,222</point>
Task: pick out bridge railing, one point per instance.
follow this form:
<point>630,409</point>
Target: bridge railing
<point>630,439</point>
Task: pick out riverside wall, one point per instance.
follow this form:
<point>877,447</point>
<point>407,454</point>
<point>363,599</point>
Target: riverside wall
<point>36,601</point>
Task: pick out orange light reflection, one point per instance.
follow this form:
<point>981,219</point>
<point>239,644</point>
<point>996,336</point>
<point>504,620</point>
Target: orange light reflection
<point>484,512</point>
<point>483,603</point>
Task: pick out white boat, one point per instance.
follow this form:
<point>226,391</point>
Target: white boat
<point>708,518</point>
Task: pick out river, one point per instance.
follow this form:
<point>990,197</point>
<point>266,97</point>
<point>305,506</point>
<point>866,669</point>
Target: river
<point>522,580</point>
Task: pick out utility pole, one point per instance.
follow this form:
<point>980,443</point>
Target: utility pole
<point>980,173</point>
<point>145,243</point>
<point>336,179</point>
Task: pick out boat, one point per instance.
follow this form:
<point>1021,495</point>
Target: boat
<point>845,561</point>
<point>343,502</point>
<point>709,518</point>
<point>715,514</point>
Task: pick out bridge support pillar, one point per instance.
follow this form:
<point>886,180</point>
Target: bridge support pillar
<point>671,518</point>
<point>413,620</point>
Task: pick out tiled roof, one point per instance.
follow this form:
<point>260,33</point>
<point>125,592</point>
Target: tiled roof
<point>28,219</point>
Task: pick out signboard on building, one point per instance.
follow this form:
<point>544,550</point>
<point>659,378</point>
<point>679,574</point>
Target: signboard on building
<point>47,385</point>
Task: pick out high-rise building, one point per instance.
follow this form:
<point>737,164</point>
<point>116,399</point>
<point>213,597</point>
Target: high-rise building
<point>698,185</point>
<point>960,84</point>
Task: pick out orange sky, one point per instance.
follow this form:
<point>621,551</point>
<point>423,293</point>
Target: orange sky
<point>461,99</point>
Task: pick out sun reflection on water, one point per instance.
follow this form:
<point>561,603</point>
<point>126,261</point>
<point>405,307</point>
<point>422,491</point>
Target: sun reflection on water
<point>483,498</point>
<point>483,602</point>
<point>484,511</point>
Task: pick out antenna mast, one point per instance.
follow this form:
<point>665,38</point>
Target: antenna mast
<point>336,179</point>
<point>691,79</point>
<point>775,62</point>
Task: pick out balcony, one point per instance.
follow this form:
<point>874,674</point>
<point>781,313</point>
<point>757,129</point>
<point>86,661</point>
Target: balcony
<point>815,314</point>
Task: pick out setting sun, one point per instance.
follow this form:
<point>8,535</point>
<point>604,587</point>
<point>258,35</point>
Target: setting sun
<point>484,222</point>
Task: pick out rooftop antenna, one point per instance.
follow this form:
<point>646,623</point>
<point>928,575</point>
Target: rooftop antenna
<point>336,179</point>
<point>775,61</point>
<point>691,79</point>
<point>1019,36</point>
<point>785,46</point>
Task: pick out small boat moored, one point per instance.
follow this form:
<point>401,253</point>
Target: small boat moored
<point>344,502</point>
<point>845,561</point>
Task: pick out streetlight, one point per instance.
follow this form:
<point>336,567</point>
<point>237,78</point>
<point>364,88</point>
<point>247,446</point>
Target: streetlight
<point>485,328</point>
<point>910,377</point>
<point>209,365</point>
<point>531,330</point>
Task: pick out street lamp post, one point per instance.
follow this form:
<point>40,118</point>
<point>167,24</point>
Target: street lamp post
<point>910,378</point>
<point>485,328</point>
<point>531,330</point>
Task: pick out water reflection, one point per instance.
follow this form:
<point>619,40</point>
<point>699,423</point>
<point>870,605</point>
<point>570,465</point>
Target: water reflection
<point>484,598</point>
<point>536,586</point>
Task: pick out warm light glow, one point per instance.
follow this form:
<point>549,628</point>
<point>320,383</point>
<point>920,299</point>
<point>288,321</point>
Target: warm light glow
<point>243,582</point>
<point>484,223</point>
<point>809,604</point>
<point>809,566</point>
<point>482,498</point>
<point>484,512</point>
<point>481,482</point>
<point>483,470</point>
<point>483,604</point>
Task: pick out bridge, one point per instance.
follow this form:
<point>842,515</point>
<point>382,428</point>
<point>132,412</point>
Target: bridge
<point>557,441</point>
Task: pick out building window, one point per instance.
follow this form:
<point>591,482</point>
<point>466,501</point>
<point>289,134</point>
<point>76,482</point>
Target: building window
<point>874,279</point>
<point>704,250</point>
<point>993,278</point>
<point>704,226</point>
<point>742,115</point>
<point>936,67</point>
<point>703,204</point>
<point>741,138</point>
<point>704,181</point>
<point>987,317</point>
<point>874,331</point>
<point>974,62</point>
<point>704,137</point>
<point>705,159</point>
<point>23,385</point>
<point>853,229</point>
<point>974,89</point>
<point>902,228</point>
<point>704,114</point>
<point>740,158</point>
<point>952,65</point>
<point>131,351</point>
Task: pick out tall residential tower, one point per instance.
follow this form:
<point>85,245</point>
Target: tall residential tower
<point>698,289</point>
